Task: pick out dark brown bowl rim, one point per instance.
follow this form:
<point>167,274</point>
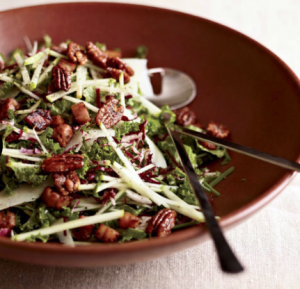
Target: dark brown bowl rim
<point>187,234</point>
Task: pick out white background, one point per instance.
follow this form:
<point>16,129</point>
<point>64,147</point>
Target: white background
<point>268,244</point>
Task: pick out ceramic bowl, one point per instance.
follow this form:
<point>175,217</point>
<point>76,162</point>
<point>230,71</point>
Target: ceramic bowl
<point>239,83</point>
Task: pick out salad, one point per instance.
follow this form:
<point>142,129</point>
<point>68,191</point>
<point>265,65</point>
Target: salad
<point>86,157</point>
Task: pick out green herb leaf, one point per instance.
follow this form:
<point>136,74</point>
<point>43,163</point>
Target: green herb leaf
<point>129,234</point>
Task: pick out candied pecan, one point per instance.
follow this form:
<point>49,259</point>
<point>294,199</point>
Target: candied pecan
<point>217,130</point>
<point>57,120</point>
<point>65,64</point>
<point>106,234</point>
<point>61,78</point>
<point>59,49</point>
<point>162,223</point>
<point>80,113</point>
<point>115,73</point>
<point>75,54</point>
<point>129,221</point>
<point>63,133</point>
<point>40,119</point>
<point>113,53</point>
<point>209,146</point>
<point>62,163</point>
<point>52,199</point>
<point>7,104</point>
<point>97,56</point>
<point>83,233</point>
<point>185,116</point>
<point>116,62</point>
<point>66,183</point>
<point>110,114</point>
<point>7,219</point>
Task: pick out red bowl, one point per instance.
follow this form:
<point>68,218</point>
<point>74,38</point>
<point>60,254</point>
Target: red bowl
<point>239,82</point>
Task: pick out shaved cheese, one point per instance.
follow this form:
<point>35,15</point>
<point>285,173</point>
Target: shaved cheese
<point>23,194</point>
<point>64,237</point>
<point>157,157</point>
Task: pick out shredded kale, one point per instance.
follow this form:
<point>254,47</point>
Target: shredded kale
<point>27,174</point>
<point>61,107</point>
<point>48,142</point>
<point>130,234</point>
<point>5,89</point>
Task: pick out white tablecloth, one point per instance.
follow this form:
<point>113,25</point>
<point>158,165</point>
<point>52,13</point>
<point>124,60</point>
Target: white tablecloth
<point>268,243</point>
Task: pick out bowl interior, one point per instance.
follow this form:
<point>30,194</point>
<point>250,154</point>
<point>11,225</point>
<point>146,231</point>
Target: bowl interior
<point>239,82</point>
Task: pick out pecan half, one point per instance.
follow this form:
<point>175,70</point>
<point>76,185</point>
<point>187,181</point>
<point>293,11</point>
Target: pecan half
<point>7,219</point>
<point>217,130</point>
<point>40,119</point>
<point>65,64</point>
<point>66,183</point>
<point>62,163</point>
<point>106,234</point>
<point>83,233</point>
<point>185,116</point>
<point>110,114</point>
<point>162,223</point>
<point>116,62</point>
<point>52,199</point>
<point>115,73</point>
<point>129,221</point>
<point>61,78</point>
<point>80,113</point>
<point>57,120</point>
<point>63,133</point>
<point>7,104</point>
<point>97,56</point>
<point>75,53</point>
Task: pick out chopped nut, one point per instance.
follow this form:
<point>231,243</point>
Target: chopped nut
<point>115,73</point>
<point>63,133</point>
<point>54,200</point>
<point>66,183</point>
<point>83,233</point>
<point>97,56</point>
<point>116,62</point>
<point>106,234</point>
<point>40,119</point>
<point>162,223</point>
<point>75,54</point>
<point>7,219</point>
<point>62,163</point>
<point>110,114</point>
<point>57,120</point>
<point>80,113</point>
<point>185,116</point>
<point>217,130</point>
<point>61,78</point>
<point>129,221</point>
<point>209,146</point>
<point>65,64</point>
<point>7,104</point>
